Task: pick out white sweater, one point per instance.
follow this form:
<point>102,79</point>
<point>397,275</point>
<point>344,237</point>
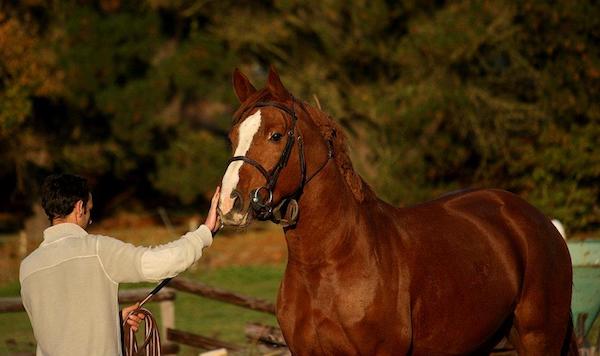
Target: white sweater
<point>69,285</point>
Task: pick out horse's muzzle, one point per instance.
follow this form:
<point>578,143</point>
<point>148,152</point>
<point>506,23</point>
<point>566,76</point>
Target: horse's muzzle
<point>239,215</point>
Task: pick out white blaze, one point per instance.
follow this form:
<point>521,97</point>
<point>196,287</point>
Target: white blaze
<point>247,130</point>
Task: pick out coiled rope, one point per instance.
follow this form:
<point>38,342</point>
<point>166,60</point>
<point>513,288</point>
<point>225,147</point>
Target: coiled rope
<point>151,345</point>
<point>152,337</point>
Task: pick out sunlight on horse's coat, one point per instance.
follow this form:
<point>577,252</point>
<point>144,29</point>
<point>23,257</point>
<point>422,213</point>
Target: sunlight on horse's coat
<point>247,130</point>
<point>445,277</point>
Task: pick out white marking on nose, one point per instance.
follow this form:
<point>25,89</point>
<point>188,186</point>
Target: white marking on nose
<point>247,130</point>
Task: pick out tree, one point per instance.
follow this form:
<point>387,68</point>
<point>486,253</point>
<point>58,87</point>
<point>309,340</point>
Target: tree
<point>436,95</point>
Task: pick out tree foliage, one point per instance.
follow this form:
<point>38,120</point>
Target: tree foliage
<point>437,95</point>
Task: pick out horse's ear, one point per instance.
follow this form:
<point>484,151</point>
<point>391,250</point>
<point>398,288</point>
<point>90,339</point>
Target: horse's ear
<point>275,86</point>
<point>242,86</point>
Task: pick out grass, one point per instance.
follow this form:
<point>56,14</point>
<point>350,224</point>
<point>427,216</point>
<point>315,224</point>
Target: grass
<point>15,328</point>
<point>224,321</point>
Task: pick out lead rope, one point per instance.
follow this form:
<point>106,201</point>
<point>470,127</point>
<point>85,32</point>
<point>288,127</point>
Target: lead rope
<point>151,345</point>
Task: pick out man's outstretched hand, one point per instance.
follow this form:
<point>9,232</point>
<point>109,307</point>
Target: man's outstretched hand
<point>213,222</point>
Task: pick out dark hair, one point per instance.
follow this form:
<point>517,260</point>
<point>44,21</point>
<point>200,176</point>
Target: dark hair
<point>60,193</point>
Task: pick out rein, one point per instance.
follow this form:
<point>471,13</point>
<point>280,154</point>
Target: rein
<point>262,207</point>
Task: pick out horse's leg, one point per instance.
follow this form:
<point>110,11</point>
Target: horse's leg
<point>539,326</point>
<point>542,312</point>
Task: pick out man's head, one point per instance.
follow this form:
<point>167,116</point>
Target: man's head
<point>67,198</point>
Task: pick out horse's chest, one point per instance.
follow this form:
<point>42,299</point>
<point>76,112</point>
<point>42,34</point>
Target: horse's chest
<point>330,312</point>
<point>351,303</point>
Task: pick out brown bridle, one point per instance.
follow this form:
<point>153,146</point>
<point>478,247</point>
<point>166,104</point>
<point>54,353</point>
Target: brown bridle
<point>262,207</point>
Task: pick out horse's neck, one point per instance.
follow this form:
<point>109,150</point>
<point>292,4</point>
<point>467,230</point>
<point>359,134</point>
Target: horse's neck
<point>327,223</point>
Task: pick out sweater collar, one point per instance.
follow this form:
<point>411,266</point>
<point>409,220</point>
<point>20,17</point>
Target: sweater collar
<point>59,231</point>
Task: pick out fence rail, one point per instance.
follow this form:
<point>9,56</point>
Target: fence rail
<point>203,290</point>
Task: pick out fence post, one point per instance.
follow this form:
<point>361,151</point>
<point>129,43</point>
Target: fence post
<point>167,312</point>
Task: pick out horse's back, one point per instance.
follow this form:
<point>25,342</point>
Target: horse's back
<point>494,219</point>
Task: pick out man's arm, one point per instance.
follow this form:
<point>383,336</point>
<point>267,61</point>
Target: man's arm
<point>124,262</point>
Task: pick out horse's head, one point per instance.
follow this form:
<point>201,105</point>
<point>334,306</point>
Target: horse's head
<point>276,150</point>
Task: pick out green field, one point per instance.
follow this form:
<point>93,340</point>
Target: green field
<point>192,313</point>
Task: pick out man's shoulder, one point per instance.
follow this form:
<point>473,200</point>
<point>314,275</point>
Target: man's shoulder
<point>33,262</point>
<point>26,264</point>
<point>52,254</point>
<point>103,239</point>
<point>110,245</point>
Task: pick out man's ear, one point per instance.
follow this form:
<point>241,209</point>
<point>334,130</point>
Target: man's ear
<point>275,86</point>
<point>242,86</point>
<point>79,208</point>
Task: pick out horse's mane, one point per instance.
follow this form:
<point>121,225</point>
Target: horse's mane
<point>330,131</point>
<point>333,132</point>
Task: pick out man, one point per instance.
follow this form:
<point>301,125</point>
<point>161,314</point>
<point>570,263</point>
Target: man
<point>69,284</point>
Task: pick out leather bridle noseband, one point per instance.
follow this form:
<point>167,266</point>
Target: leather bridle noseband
<point>262,207</point>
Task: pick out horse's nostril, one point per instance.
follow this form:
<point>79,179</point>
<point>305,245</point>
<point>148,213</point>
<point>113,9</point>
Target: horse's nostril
<point>237,200</point>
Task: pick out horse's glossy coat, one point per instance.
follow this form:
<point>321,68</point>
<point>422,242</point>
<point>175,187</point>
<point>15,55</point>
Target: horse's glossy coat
<point>450,276</point>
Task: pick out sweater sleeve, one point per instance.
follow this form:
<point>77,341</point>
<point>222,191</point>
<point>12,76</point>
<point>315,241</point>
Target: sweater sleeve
<point>124,262</point>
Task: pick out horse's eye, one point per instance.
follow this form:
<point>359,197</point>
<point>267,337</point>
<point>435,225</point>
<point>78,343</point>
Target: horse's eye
<point>276,137</point>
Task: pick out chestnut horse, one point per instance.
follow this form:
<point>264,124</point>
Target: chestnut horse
<point>451,276</point>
